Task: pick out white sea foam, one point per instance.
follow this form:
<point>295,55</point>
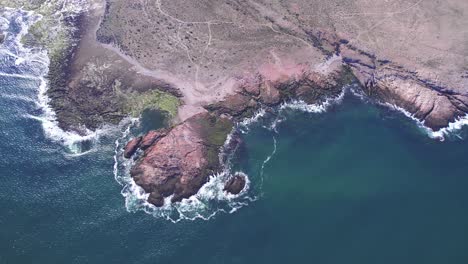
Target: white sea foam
<point>452,127</point>
<point>267,160</point>
<point>245,124</point>
<point>356,90</point>
<point>300,105</point>
<point>314,108</point>
<point>269,156</point>
<point>69,139</point>
<point>19,98</point>
<point>451,130</point>
<point>20,76</point>
<point>441,134</point>
<point>38,60</point>
<point>4,23</point>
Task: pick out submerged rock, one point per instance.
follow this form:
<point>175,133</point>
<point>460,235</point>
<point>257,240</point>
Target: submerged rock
<point>131,147</point>
<point>156,199</point>
<point>2,37</point>
<point>235,185</point>
<point>181,160</point>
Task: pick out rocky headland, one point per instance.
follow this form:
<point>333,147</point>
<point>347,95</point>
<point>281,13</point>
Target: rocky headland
<point>176,162</point>
<point>209,68</point>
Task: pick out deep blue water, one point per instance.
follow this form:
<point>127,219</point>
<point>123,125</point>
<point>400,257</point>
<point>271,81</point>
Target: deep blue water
<point>358,184</point>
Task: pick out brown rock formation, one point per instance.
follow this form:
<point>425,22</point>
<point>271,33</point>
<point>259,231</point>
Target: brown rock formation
<point>131,147</point>
<point>311,87</point>
<point>235,184</point>
<point>151,137</point>
<point>181,161</point>
<point>390,82</point>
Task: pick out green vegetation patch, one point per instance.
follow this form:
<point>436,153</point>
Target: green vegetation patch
<point>25,4</point>
<point>214,130</point>
<point>56,32</point>
<point>136,103</point>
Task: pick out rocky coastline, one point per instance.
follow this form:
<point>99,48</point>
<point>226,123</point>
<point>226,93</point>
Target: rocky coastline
<point>208,75</point>
<point>177,162</point>
<point>381,83</point>
<point>434,105</point>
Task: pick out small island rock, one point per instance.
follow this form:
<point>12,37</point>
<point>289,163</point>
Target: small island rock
<point>235,184</point>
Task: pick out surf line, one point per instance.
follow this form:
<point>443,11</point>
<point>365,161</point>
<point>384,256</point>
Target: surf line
<point>450,130</point>
<point>29,57</point>
<point>440,134</point>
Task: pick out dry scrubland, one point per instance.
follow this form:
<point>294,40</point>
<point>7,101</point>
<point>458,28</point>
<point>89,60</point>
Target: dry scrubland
<point>414,52</point>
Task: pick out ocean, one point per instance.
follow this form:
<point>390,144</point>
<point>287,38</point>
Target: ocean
<point>347,182</point>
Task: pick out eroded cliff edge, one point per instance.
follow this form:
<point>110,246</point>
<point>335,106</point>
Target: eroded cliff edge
<point>223,60</point>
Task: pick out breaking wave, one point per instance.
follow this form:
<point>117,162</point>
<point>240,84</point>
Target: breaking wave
<point>314,108</point>
<point>451,130</point>
<point>32,64</point>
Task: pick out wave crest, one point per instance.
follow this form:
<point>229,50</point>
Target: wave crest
<point>33,64</point>
<point>451,130</point>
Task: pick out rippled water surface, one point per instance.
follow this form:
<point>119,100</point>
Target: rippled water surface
<point>356,184</point>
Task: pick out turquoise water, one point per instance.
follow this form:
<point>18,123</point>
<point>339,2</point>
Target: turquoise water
<point>357,184</point>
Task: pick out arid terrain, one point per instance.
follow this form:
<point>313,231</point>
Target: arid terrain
<point>205,48</point>
<point>220,59</point>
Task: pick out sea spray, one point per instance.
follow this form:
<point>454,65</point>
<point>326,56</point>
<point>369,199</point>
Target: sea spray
<point>314,108</point>
<point>450,130</point>
<point>265,162</point>
<point>453,128</point>
<point>35,60</point>
<point>245,124</point>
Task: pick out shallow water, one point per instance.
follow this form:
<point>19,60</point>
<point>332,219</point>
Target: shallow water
<point>357,184</point>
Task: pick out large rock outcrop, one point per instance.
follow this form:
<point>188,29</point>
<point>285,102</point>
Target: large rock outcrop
<point>263,92</point>
<point>434,104</point>
<point>180,161</point>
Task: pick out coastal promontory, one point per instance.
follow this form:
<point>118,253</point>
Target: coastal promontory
<point>209,64</point>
